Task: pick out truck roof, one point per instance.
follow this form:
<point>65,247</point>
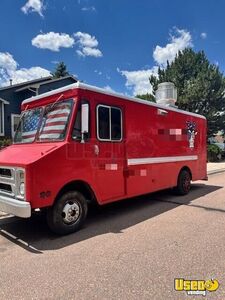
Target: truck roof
<point>80,85</point>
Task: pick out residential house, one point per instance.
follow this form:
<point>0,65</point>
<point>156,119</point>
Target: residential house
<point>219,137</point>
<point>12,96</point>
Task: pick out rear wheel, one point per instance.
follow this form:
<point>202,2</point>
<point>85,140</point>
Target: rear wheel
<point>183,183</point>
<point>68,213</point>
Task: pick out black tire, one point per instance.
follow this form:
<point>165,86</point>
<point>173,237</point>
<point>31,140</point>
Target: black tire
<point>183,183</point>
<point>63,221</point>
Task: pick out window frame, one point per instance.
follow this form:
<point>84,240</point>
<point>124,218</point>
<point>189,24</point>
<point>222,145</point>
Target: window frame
<point>2,119</point>
<point>110,123</point>
<point>2,116</point>
<point>12,123</point>
<point>79,103</point>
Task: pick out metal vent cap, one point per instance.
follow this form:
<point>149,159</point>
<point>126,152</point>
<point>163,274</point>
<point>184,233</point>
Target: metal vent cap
<point>166,94</point>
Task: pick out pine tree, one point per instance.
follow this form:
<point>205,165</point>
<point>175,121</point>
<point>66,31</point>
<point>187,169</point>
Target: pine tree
<point>148,97</point>
<point>200,86</point>
<point>60,70</point>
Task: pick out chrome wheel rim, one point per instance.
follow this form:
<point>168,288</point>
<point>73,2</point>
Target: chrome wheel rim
<point>71,212</point>
<point>186,183</point>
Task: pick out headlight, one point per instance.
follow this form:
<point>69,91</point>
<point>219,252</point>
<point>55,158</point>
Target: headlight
<point>20,183</point>
<point>22,189</point>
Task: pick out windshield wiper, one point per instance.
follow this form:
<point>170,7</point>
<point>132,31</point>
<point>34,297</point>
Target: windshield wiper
<point>50,107</point>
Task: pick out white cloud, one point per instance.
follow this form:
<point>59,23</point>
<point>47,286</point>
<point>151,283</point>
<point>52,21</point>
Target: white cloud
<point>9,70</point>
<point>80,53</point>
<point>203,35</point>
<point>138,80</point>
<point>7,62</point>
<point>53,41</point>
<point>87,45</point>
<point>33,6</point>
<point>87,51</point>
<point>55,62</point>
<point>98,72</point>
<point>85,39</point>
<point>88,8</point>
<point>179,40</point>
<point>24,74</point>
<point>109,89</point>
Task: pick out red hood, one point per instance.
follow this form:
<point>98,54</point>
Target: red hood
<point>23,154</point>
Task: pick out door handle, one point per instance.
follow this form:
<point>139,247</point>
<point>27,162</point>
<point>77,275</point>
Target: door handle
<point>96,150</point>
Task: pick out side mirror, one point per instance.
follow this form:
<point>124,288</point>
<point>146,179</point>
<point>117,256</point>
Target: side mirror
<point>84,121</point>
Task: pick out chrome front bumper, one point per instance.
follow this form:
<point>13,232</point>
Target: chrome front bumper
<point>15,207</point>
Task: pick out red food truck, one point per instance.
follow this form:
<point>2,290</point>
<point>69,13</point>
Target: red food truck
<point>81,144</point>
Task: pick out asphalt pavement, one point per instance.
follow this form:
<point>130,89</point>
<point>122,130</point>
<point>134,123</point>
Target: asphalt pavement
<point>133,249</point>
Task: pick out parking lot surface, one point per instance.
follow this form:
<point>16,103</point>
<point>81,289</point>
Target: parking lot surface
<point>132,249</point>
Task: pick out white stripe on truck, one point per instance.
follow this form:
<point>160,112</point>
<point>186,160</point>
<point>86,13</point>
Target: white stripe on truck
<point>155,160</point>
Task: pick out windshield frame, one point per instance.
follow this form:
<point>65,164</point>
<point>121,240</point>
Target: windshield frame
<point>42,113</point>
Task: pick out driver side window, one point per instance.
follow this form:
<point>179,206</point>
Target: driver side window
<point>76,134</point>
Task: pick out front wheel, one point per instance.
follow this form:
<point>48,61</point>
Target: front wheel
<point>68,213</point>
<point>183,183</point>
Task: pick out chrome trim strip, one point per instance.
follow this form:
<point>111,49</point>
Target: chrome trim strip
<point>15,207</point>
<point>155,160</point>
<point>8,178</point>
<point>8,193</point>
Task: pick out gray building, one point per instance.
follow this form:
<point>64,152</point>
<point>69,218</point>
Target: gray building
<point>12,96</point>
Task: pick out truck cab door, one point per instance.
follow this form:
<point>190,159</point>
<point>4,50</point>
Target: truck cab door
<point>109,153</point>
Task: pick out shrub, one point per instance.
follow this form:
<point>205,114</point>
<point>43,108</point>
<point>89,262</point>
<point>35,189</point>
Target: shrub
<point>5,142</point>
<point>214,152</point>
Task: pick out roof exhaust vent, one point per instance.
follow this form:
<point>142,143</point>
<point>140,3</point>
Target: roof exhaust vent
<point>166,94</point>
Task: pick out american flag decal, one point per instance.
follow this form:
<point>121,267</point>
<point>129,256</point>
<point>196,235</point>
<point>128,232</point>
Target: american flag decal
<point>55,121</point>
<point>30,125</point>
<point>52,125</point>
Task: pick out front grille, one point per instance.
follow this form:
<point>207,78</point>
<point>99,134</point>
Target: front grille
<point>6,187</point>
<point>7,181</point>
<point>5,172</point>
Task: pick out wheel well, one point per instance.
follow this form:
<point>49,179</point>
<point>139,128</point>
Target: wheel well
<point>80,186</point>
<point>185,168</point>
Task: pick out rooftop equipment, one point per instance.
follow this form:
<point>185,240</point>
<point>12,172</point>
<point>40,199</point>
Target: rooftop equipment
<point>166,94</point>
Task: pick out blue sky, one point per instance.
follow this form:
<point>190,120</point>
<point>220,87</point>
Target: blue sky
<point>114,44</point>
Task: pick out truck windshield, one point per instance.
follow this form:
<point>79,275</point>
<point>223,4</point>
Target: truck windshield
<point>44,123</point>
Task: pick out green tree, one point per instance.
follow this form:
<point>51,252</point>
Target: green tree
<point>60,70</point>
<point>200,86</point>
<point>148,97</point>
